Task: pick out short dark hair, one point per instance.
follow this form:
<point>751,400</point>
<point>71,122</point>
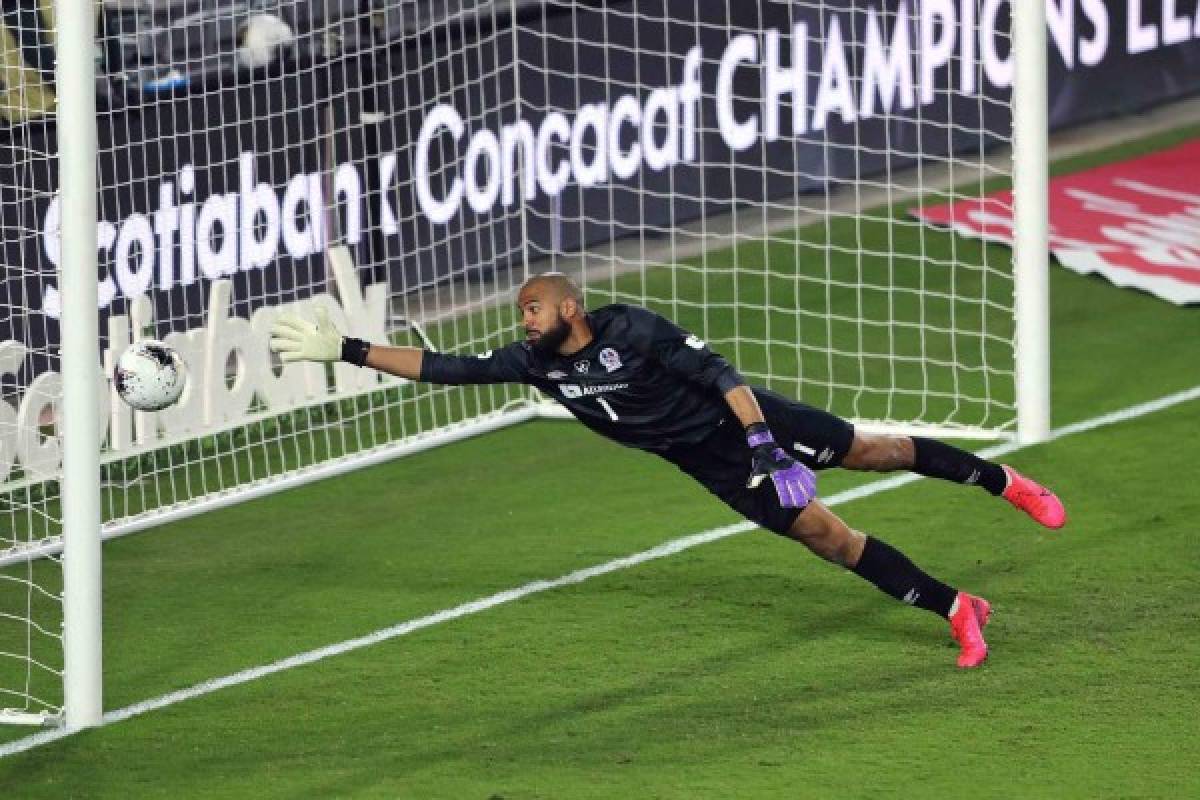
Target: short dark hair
<point>562,284</point>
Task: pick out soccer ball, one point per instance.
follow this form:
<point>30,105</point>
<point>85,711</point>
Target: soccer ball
<point>149,375</point>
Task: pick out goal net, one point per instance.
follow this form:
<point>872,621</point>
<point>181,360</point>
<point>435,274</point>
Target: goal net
<point>748,169</point>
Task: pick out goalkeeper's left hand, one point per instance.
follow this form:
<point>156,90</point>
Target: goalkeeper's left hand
<point>795,483</point>
<point>297,339</point>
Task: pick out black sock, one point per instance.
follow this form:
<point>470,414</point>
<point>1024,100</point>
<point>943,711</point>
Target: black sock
<point>936,459</point>
<point>892,572</point>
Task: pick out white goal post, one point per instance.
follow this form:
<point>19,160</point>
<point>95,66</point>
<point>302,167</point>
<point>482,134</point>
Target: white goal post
<point>80,417</point>
<point>1031,217</point>
<point>747,169</point>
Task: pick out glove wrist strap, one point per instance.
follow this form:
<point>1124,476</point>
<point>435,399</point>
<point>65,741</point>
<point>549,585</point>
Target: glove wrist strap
<point>355,351</point>
<point>758,433</point>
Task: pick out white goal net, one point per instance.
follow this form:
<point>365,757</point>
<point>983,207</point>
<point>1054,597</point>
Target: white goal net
<point>746,168</point>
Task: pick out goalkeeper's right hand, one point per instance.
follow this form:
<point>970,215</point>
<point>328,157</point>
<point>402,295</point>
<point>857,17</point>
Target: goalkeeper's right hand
<point>297,339</point>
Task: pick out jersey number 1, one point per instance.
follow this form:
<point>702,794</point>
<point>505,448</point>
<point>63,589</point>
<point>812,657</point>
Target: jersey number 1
<point>604,404</point>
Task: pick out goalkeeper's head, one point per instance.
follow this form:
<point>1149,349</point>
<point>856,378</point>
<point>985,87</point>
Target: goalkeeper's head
<point>551,307</point>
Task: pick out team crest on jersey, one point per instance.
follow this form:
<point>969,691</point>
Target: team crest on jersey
<point>609,359</point>
<point>582,366</point>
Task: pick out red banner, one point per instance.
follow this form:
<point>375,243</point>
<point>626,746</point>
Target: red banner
<point>1135,222</point>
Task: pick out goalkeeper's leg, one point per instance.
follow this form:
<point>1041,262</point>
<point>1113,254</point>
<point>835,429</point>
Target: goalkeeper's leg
<point>936,459</point>
<point>874,560</point>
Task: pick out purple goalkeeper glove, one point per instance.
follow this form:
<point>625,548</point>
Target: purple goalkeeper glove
<point>795,483</point>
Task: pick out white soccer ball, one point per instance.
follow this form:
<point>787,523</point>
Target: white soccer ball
<point>149,375</point>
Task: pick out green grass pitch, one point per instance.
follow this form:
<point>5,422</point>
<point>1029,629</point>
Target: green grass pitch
<point>744,668</point>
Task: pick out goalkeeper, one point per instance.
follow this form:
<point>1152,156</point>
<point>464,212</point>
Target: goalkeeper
<point>635,377</point>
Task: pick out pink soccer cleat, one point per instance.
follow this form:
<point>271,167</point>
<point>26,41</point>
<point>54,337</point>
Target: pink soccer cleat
<point>1034,499</point>
<point>966,626</point>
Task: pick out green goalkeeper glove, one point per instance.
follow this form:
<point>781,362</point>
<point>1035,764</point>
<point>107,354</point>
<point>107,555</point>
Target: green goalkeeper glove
<point>297,339</point>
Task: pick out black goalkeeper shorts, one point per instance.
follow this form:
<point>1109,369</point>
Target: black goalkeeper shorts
<point>721,462</point>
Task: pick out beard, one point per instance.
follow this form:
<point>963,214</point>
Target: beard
<point>552,338</point>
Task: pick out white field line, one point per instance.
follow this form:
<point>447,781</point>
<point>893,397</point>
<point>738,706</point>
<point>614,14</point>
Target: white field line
<point>579,576</point>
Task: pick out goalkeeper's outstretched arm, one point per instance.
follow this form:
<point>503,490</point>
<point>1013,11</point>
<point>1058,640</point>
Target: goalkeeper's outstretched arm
<point>402,361</point>
<point>297,339</point>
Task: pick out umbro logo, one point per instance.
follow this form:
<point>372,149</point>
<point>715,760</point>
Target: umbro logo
<point>824,457</point>
<point>556,374</point>
<point>582,366</point>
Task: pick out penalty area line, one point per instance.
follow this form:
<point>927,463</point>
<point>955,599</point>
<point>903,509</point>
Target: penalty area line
<point>535,587</point>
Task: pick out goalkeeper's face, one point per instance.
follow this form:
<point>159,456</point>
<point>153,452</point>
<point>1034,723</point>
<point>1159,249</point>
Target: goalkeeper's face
<point>549,305</point>
<point>547,336</point>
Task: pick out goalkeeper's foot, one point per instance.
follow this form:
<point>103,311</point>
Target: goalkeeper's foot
<point>1034,499</point>
<point>966,626</point>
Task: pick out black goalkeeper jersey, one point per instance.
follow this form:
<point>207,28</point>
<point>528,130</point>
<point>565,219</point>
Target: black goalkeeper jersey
<point>642,381</point>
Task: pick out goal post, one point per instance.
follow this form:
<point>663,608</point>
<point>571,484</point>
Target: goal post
<point>1031,217</point>
<point>748,169</point>
<point>80,417</point>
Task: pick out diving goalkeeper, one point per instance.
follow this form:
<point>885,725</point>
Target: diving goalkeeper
<point>635,377</point>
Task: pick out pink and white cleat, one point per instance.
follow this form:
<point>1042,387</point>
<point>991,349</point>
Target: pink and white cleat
<point>1034,499</point>
<point>966,626</point>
